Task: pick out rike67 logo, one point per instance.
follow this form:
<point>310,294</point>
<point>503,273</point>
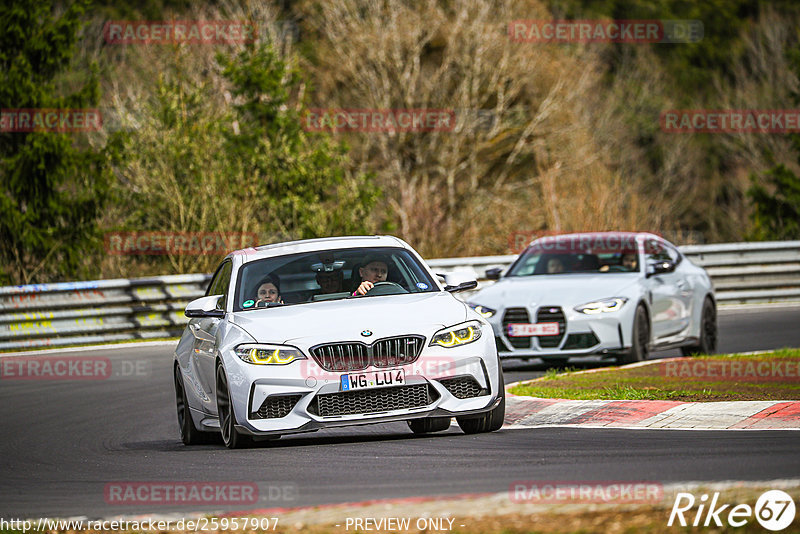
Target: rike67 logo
<point>774,510</point>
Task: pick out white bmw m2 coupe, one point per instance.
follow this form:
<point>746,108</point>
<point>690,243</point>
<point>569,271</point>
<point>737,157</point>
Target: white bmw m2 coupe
<point>300,336</point>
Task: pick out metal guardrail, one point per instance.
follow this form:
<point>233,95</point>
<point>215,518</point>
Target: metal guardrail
<point>44,315</point>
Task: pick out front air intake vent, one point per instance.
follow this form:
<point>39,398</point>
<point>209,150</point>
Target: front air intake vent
<point>276,406</point>
<point>373,400</point>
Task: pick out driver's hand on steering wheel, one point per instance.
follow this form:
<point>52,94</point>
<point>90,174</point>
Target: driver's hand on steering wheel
<point>365,286</point>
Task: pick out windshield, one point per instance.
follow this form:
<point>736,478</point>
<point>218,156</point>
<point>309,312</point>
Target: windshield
<point>329,275</point>
<point>536,261</point>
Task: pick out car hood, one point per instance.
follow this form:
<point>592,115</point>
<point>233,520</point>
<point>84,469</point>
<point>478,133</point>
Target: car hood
<point>384,316</point>
<point>564,290</point>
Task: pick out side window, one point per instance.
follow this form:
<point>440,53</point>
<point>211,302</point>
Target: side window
<point>674,255</point>
<point>660,254</point>
<point>214,282</point>
<point>224,284</point>
<point>220,283</point>
<point>665,252</point>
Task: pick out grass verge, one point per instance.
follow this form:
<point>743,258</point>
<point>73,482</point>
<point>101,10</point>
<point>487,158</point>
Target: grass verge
<point>769,376</point>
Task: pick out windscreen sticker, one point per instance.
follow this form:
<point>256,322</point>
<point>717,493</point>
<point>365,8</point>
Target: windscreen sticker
<point>247,303</point>
<point>422,285</point>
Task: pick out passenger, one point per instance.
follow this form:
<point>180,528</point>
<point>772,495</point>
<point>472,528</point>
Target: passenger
<point>555,266</point>
<point>269,290</point>
<point>375,270</point>
<point>330,281</point>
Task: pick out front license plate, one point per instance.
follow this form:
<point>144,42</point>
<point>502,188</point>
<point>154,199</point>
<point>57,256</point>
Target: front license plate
<point>374,379</point>
<point>537,329</point>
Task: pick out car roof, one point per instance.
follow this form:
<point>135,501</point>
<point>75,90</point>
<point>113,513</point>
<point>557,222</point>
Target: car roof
<point>313,245</point>
<point>638,236</point>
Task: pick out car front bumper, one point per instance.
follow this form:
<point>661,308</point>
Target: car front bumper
<point>579,335</point>
<point>303,397</point>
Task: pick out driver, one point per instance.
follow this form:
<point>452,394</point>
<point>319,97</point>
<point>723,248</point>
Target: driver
<point>375,270</point>
<point>629,261</point>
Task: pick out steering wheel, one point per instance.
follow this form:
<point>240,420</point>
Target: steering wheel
<point>617,269</point>
<point>386,288</point>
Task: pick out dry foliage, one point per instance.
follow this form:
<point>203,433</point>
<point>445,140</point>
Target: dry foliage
<point>555,156</point>
<point>542,141</point>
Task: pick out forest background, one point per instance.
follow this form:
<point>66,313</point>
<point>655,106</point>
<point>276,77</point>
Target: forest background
<point>548,137</point>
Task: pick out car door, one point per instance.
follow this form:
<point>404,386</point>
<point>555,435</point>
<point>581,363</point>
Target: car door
<point>686,291</point>
<point>204,330</point>
<point>669,311</point>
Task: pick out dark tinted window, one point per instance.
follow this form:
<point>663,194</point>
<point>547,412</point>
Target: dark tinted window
<point>220,283</point>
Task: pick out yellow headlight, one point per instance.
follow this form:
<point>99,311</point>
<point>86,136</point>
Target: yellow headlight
<point>458,335</point>
<point>268,354</point>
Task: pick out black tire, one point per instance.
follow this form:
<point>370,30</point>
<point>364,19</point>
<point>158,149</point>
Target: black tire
<point>227,417</point>
<point>490,421</point>
<point>640,340</point>
<point>708,332</point>
<point>189,433</point>
<point>428,424</point>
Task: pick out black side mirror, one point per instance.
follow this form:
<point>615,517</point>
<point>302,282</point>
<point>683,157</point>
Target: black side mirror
<point>660,267</point>
<point>494,273</point>
<point>463,286</point>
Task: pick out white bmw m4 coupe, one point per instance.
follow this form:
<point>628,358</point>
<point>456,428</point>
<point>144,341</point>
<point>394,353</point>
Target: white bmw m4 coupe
<point>616,294</point>
<point>300,336</point>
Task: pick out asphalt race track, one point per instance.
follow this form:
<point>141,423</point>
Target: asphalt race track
<point>64,441</point>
